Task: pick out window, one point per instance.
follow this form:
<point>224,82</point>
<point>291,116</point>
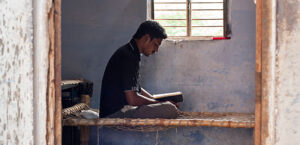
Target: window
<point>188,18</point>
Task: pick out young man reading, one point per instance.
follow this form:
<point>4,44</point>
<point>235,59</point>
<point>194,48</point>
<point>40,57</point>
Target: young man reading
<point>121,94</point>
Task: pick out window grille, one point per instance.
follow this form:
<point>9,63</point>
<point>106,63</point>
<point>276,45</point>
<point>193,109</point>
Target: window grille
<point>188,18</point>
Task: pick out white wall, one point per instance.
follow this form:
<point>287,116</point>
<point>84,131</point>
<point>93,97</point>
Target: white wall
<point>16,72</point>
<point>287,73</point>
<point>23,71</point>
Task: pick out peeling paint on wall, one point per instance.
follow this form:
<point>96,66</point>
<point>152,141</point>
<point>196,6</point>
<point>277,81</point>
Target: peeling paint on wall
<point>16,72</point>
<point>288,73</point>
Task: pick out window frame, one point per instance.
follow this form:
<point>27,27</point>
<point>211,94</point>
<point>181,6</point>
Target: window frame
<point>226,19</point>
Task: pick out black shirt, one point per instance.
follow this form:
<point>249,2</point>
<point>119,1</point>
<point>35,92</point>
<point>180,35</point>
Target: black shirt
<point>121,74</point>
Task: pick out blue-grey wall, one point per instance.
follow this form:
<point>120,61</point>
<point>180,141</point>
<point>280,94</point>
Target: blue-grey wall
<point>215,76</point>
<point>91,31</point>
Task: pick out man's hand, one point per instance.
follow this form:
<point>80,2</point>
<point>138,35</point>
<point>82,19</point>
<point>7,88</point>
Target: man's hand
<point>135,99</point>
<point>176,104</point>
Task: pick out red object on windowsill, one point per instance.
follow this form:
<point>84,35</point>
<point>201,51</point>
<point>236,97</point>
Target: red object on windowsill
<point>220,38</point>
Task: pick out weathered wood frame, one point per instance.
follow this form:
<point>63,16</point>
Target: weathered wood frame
<point>257,128</point>
<point>54,108</point>
<point>263,42</point>
<point>265,60</point>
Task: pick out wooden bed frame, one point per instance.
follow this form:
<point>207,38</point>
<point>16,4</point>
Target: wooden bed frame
<point>186,119</point>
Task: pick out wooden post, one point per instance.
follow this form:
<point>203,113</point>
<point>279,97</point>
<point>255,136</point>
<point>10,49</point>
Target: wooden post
<point>85,130</point>
<point>258,74</point>
<point>268,65</point>
<point>85,99</point>
<point>54,119</point>
<point>57,68</point>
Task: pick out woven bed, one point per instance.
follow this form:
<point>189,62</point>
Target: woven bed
<point>186,119</point>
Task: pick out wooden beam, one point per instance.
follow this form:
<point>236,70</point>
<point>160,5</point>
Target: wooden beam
<point>57,69</point>
<point>268,64</point>
<point>257,128</point>
<point>54,119</point>
<point>50,125</point>
<point>233,121</point>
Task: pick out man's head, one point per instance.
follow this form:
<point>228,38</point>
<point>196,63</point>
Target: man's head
<point>149,36</point>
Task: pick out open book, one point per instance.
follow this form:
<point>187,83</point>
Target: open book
<point>175,97</point>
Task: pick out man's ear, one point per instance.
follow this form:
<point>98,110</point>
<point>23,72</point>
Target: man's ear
<point>147,37</point>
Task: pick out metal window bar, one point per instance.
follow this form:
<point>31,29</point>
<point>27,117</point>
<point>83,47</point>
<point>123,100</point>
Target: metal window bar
<point>169,2</point>
<point>225,17</point>
<point>188,17</point>
<point>206,2</point>
<point>174,26</point>
<point>207,26</point>
<point>191,19</point>
<point>188,12</point>
<point>186,2</point>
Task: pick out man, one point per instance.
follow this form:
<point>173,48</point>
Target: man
<point>121,94</point>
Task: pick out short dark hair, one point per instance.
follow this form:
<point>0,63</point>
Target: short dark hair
<point>154,29</point>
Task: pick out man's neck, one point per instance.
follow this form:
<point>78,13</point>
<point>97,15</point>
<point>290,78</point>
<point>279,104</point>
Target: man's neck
<point>138,44</point>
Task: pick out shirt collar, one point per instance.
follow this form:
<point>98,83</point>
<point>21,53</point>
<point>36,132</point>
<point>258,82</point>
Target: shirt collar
<point>134,48</point>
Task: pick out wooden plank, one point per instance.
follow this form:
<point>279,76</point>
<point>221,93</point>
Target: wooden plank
<point>50,125</point>
<point>268,64</point>
<point>228,123</point>
<point>257,129</point>
<point>54,120</point>
<point>57,69</point>
<point>258,34</point>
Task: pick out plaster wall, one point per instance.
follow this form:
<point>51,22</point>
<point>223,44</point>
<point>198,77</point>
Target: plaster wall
<point>41,44</point>
<point>287,73</point>
<point>215,76</point>
<point>91,31</point>
<point>16,73</point>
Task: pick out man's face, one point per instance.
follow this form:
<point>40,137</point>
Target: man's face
<point>151,46</point>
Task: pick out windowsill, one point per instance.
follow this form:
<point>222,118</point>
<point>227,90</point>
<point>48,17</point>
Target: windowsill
<point>193,38</point>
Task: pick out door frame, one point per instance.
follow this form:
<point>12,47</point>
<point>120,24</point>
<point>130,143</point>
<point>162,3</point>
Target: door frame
<point>265,43</point>
<point>53,98</point>
<point>265,116</point>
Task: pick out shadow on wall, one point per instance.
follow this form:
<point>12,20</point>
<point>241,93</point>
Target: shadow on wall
<point>91,31</point>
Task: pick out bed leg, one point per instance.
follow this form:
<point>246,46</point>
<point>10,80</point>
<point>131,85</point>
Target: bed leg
<point>85,130</point>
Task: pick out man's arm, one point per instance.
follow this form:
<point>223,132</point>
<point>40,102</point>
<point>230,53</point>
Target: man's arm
<point>135,99</point>
<point>146,94</point>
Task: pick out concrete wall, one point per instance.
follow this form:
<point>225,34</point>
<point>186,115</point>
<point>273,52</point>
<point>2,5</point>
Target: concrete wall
<point>91,31</point>
<point>287,73</point>
<point>16,73</point>
<point>213,75</point>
